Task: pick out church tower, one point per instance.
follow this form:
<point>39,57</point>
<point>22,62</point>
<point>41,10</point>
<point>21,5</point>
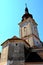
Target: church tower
<point>28,29</point>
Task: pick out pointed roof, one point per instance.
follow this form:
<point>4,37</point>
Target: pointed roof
<point>27,14</point>
<point>16,38</point>
<point>26,9</point>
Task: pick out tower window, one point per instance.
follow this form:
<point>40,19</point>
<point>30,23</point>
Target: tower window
<point>24,28</point>
<point>24,31</point>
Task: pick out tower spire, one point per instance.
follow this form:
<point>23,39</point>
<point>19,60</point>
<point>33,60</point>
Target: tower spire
<point>26,9</point>
<point>26,14</point>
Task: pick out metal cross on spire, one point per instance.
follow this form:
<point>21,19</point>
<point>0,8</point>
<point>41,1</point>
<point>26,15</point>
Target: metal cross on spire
<point>26,4</point>
<point>26,9</point>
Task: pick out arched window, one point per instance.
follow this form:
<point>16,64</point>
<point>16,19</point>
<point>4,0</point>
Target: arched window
<point>25,31</point>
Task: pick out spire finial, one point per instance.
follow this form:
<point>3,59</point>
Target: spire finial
<point>26,9</point>
<point>26,4</point>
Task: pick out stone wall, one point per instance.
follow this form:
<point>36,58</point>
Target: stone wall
<point>16,53</point>
<point>25,29</point>
<point>4,54</point>
<point>34,63</point>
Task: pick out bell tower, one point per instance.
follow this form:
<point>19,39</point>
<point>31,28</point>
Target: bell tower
<point>28,29</point>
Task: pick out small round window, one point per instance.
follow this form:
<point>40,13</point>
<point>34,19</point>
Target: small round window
<point>16,44</point>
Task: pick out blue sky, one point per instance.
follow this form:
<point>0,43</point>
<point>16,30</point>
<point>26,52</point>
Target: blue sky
<point>11,12</point>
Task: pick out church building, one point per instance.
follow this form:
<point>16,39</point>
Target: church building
<point>26,50</point>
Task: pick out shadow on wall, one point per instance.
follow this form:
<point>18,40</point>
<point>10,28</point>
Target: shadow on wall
<point>32,56</point>
<point>9,62</point>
